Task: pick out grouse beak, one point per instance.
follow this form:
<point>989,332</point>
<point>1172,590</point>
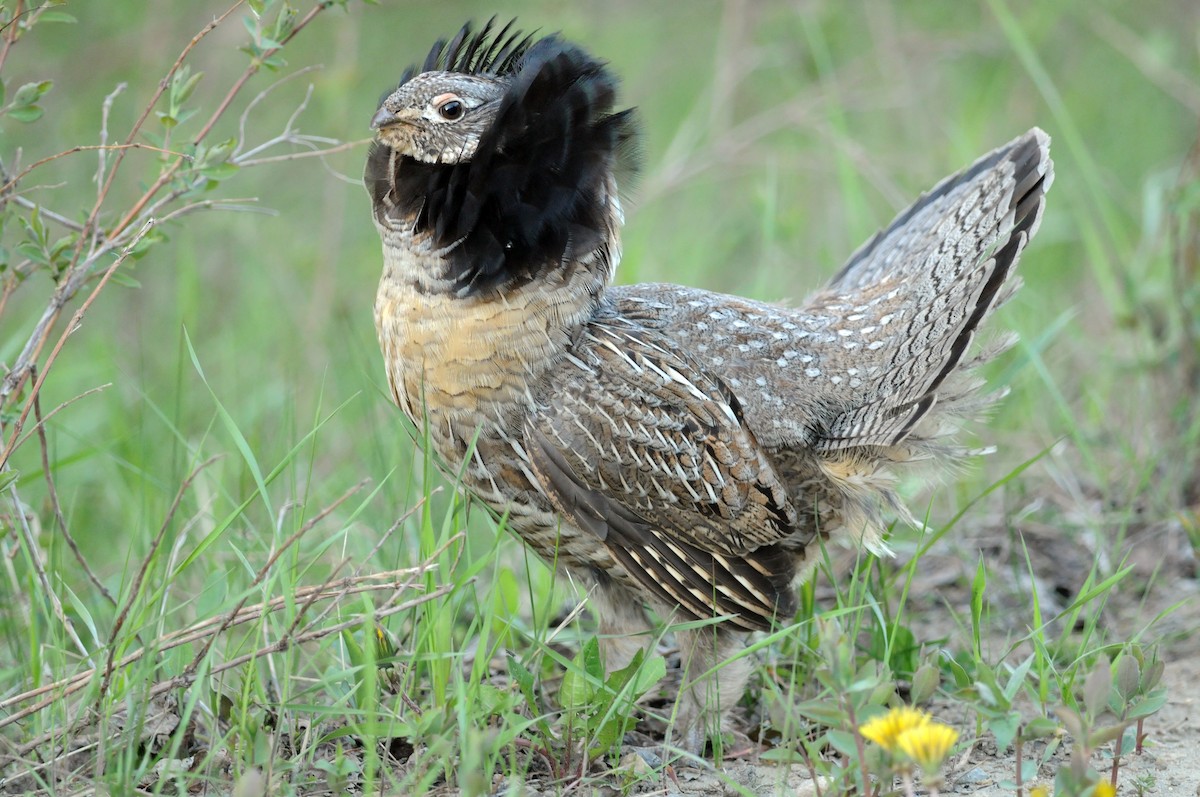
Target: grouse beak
<point>383,118</point>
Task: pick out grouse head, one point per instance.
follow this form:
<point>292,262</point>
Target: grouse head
<point>500,154</point>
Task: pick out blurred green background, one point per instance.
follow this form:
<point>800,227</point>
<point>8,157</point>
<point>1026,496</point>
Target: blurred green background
<point>778,136</point>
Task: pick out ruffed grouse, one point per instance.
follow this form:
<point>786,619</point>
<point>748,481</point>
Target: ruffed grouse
<point>667,446</point>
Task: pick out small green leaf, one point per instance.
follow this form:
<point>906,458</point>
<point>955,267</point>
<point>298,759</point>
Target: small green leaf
<point>524,679</point>
<point>1017,679</point>
<point>978,585</point>
<point>8,477</point>
<point>1104,735</point>
<point>183,85</point>
<point>493,700</point>
<point>1097,687</point>
<point>124,280</point>
<point>881,694</point>
<point>575,692</point>
<point>608,735</point>
<point>593,665</point>
<point>962,678</point>
<point>353,650</point>
<point>220,171</point>
<point>824,712</point>
<point>1005,729</point>
<point>1039,728</point>
<point>617,680</point>
<point>843,742</point>
<point>33,251</point>
<point>925,682</point>
<point>904,651</point>
<point>653,670</point>
<point>29,93</point>
<point>580,686</point>
<point>1072,721</point>
<point>26,113</point>
<point>217,153</point>
<point>1150,704</point>
<point>1153,673</point>
<point>1129,676</point>
<point>56,16</point>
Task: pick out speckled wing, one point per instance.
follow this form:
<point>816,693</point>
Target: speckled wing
<point>640,449</point>
<point>881,352</point>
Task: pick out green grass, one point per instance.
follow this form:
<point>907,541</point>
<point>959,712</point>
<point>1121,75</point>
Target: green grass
<point>238,475</point>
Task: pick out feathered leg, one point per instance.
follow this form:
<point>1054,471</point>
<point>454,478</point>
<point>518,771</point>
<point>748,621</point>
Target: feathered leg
<point>621,622</point>
<point>712,683</point>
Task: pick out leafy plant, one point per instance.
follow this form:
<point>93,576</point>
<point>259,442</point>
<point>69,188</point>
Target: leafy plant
<point>598,707</point>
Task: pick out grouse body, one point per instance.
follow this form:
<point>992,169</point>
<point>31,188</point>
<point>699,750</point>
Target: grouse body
<point>667,446</point>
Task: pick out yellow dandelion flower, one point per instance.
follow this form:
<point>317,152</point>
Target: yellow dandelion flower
<point>1104,789</point>
<point>927,745</point>
<point>886,728</point>
<point>1039,791</point>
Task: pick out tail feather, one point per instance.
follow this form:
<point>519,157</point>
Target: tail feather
<point>910,301</point>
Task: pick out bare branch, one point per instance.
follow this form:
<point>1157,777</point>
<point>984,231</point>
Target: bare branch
<point>397,581</point>
<point>45,213</point>
<point>314,153</point>
<point>58,409</point>
<point>105,110</point>
<point>219,204</point>
<point>187,678</point>
<point>12,183</point>
<point>266,568</point>
<point>79,269</point>
<point>141,120</point>
<point>56,507</point>
<point>136,587</point>
<point>333,591</point>
<point>35,556</point>
<point>253,70</point>
<point>11,31</point>
<point>66,289</point>
<point>262,95</point>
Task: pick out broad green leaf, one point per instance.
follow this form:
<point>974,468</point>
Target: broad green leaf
<point>1004,728</point>
<point>220,171</point>
<point>524,679</point>
<point>26,113</point>
<point>1097,687</point>
<point>1150,704</point>
<point>925,682</point>
<point>1039,728</point>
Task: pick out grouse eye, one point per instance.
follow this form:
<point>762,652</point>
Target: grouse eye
<point>452,110</point>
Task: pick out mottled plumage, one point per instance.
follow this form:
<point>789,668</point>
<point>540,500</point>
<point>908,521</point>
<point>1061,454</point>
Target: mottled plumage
<point>666,445</point>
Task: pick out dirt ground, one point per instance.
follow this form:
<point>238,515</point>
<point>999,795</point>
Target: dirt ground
<point>1169,766</point>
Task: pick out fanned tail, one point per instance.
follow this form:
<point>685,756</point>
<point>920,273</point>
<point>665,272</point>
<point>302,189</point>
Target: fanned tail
<point>907,304</point>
